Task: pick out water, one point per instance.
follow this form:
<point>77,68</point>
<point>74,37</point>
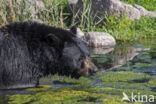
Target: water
<point>134,57</point>
<point>123,57</point>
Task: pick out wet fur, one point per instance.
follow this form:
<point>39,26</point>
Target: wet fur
<point>29,50</point>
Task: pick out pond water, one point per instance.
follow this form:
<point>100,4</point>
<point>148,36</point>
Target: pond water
<point>123,68</point>
<point>127,57</point>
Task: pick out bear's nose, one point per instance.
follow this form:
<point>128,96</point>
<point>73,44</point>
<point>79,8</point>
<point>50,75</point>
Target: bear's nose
<point>94,69</point>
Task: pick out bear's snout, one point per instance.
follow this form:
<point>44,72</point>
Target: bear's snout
<point>87,68</point>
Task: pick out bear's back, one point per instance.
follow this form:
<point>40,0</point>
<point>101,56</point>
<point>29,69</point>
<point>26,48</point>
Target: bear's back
<point>33,29</point>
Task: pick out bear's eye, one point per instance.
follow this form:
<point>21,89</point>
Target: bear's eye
<point>81,58</point>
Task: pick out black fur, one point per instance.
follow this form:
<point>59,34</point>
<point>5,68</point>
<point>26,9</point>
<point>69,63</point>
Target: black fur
<point>29,50</point>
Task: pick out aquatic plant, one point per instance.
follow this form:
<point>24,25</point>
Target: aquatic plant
<point>127,82</point>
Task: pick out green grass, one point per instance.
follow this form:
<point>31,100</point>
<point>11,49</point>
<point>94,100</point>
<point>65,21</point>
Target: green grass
<point>148,4</point>
<point>52,14</point>
<point>126,30</point>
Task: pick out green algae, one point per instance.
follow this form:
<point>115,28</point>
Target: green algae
<point>20,99</point>
<point>106,93</point>
<point>127,80</point>
<point>121,76</point>
<point>36,89</point>
<point>82,82</point>
<point>67,96</point>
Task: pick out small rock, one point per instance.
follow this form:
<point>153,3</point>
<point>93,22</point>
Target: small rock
<point>152,13</point>
<point>98,39</point>
<point>77,31</point>
<point>142,10</point>
<point>79,34</point>
<point>72,2</point>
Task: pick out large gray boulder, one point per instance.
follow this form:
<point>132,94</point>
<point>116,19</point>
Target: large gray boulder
<point>111,7</point>
<point>96,40</point>
<point>99,39</point>
<point>116,7</point>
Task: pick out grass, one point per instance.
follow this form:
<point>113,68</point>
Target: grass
<point>126,30</point>
<point>52,14</point>
<point>148,4</point>
<point>56,13</point>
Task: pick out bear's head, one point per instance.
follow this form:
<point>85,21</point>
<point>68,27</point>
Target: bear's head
<point>73,55</point>
<point>75,59</point>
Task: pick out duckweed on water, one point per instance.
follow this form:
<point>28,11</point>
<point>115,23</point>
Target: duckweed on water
<point>112,85</point>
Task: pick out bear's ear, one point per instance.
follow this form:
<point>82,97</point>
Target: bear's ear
<point>53,40</point>
<point>73,29</point>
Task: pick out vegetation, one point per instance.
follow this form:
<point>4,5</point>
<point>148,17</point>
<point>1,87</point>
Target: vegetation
<point>21,10</point>
<point>108,90</point>
<point>126,30</point>
<point>56,13</point>
<point>148,4</point>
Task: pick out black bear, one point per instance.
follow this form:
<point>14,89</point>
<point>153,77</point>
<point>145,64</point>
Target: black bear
<point>30,50</point>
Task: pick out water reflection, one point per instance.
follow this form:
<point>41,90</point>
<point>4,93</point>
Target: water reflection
<point>3,99</point>
<point>137,58</point>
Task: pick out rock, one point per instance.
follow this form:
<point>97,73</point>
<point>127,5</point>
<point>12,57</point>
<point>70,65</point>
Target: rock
<point>102,50</point>
<point>72,2</point>
<point>152,13</point>
<point>80,34</point>
<point>98,39</point>
<point>112,7</point>
<point>142,10</point>
<point>131,12</point>
<point>119,8</point>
